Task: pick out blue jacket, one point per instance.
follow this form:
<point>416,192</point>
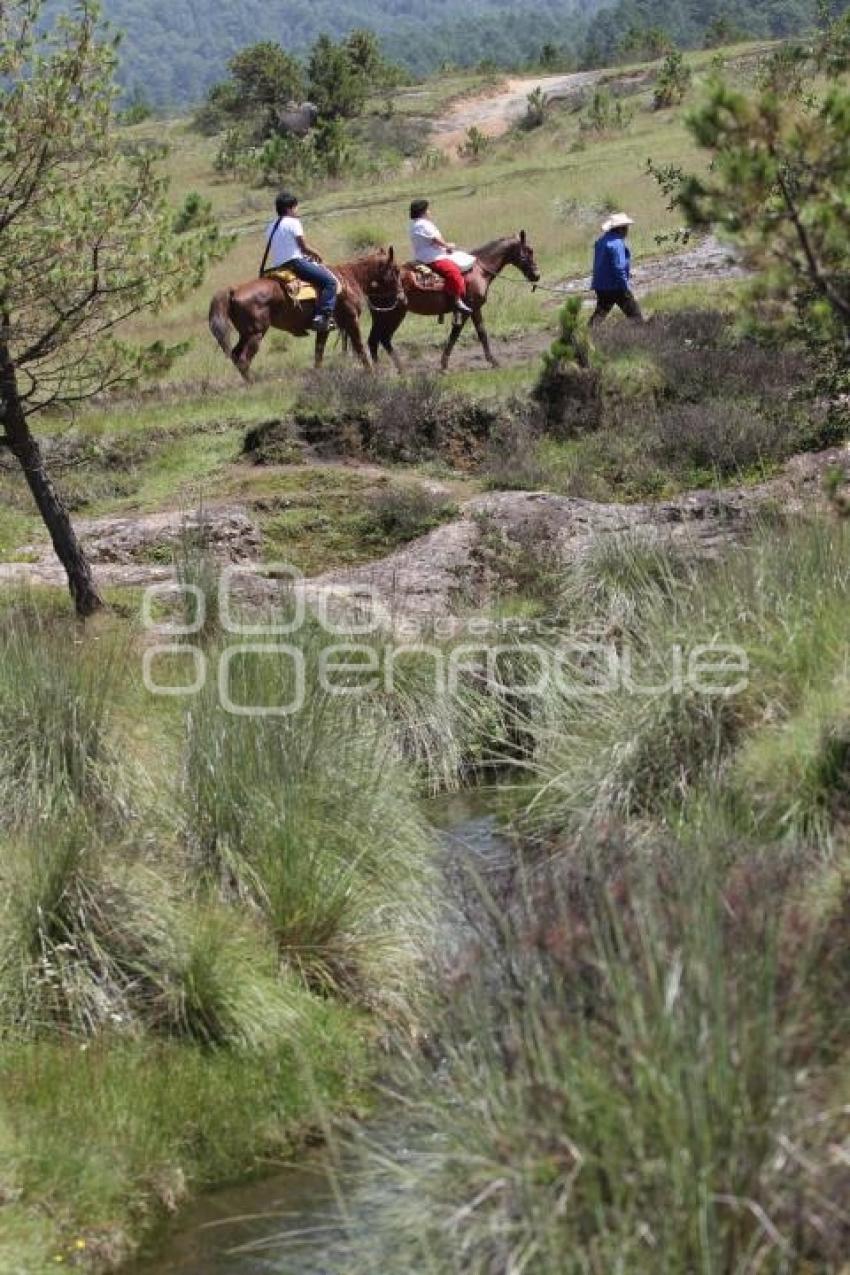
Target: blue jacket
<point>612,263</point>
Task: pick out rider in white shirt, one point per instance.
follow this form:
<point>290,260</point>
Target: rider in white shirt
<point>431,249</point>
<point>287,247</point>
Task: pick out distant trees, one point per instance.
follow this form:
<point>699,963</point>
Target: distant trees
<point>264,80</point>
<point>648,29</point>
<point>87,239</point>
<point>267,133</point>
<point>337,83</point>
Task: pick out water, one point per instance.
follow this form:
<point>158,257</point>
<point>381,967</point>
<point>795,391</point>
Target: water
<point>332,1212</point>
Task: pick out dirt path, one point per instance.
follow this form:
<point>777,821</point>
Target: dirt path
<point>494,113</point>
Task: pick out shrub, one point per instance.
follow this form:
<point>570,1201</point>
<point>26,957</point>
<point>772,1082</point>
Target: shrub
<point>365,238</point>
<point>604,114</point>
<point>403,511</point>
<point>196,212</point>
<point>624,1087</point>
<point>535,111</point>
<point>619,752</point>
<point>410,419</point>
<point>672,82</point>
<point>475,144</point>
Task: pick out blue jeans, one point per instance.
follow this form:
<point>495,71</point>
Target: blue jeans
<point>324,281</point>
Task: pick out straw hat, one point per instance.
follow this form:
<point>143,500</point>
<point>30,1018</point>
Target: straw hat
<point>617,221</point>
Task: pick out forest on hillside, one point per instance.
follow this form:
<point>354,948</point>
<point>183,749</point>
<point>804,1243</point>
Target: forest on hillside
<point>173,50</point>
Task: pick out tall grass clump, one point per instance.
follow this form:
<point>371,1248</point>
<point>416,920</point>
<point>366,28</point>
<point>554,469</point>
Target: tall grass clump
<point>632,728</point>
<point>94,940</point>
<point>308,816</point>
<point>57,698</point>
<point>630,1096</point>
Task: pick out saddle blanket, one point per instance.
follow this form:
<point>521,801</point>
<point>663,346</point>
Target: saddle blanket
<point>296,289</point>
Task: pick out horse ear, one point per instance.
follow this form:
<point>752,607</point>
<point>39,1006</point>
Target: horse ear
<point>391,254</point>
<point>522,237</point>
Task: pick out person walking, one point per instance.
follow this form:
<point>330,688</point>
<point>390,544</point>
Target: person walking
<point>431,249</point>
<point>287,249</point>
<point>612,266</point>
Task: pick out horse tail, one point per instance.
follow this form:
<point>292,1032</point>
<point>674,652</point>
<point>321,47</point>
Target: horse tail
<point>219,318</point>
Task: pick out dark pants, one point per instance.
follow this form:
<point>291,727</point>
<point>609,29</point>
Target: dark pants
<point>325,282</point>
<point>605,302</point>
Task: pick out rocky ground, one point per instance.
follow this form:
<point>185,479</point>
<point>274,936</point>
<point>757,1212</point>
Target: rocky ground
<point>441,578</point>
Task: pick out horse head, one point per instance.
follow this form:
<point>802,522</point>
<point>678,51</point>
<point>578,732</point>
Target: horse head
<point>385,288</point>
<point>522,256</point>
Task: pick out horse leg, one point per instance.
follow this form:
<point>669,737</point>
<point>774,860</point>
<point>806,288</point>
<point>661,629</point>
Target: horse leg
<point>384,328</point>
<point>456,330</point>
<point>390,349</point>
<point>481,331</point>
<point>246,350</point>
<point>321,342</point>
<point>375,341</point>
<point>351,328</point>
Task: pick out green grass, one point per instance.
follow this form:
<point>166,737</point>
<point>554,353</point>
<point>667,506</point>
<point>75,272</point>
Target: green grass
<point>107,1138</point>
<point>163,1028</point>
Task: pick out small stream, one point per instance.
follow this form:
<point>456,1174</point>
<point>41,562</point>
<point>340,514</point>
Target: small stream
<point>332,1212</point>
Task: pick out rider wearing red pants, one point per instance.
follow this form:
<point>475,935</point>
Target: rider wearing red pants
<point>430,248</point>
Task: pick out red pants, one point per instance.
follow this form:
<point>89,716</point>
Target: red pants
<point>455,282</point>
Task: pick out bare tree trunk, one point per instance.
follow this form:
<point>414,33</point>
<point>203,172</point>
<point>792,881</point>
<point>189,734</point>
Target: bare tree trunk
<point>24,447</point>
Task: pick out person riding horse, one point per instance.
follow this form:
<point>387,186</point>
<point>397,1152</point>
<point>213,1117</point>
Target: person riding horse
<point>287,249</point>
<point>432,250</point>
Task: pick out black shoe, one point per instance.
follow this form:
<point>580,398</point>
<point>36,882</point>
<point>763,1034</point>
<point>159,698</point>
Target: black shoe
<point>321,323</point>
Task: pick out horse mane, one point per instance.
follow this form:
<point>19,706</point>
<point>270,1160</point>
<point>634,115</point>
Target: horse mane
<point>363,263</point>
<point>492,245</point>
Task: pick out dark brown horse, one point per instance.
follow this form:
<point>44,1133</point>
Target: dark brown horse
<point>261,304</point>
<point>490,261</point>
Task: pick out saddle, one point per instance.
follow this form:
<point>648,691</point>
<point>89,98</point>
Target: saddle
<point>428,278</point>
<point>297,290</point>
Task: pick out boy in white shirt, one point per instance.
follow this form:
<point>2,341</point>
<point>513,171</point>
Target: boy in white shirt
<point>287,247</point>
<point>430,248</point>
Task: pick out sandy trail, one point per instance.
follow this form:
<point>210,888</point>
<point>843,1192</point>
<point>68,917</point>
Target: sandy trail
<point>494,113</point>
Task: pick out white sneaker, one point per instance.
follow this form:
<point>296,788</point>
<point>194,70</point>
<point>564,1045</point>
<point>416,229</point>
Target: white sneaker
<point>462,308</point>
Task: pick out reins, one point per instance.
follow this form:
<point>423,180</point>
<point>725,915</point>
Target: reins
<point>535,287</point>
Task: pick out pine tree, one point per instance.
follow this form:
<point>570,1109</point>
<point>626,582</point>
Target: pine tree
<point>86,241</point>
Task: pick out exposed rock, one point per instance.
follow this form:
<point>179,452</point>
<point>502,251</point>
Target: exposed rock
<point>431,582</point>
<point>137,550</point>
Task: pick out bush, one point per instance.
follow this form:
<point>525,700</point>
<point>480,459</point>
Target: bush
<point>623,753</point>
<point>475,144</point>
<point>92,942</point>
<point>403,512</point>
<point>626,1086</point>
<point>672,82</point>
<point>410,419</point>
<point>195,213</point>
<point>604,114</point>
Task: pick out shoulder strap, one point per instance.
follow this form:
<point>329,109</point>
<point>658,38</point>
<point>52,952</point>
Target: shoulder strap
<point>269,245</point>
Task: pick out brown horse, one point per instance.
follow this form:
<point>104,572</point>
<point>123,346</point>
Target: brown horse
<point>490,261</point>
<point>261,304</point>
